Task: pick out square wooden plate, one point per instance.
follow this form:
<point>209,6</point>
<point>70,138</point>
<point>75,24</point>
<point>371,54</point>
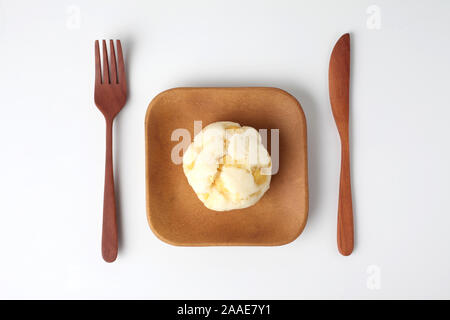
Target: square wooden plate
<point>174,212</point>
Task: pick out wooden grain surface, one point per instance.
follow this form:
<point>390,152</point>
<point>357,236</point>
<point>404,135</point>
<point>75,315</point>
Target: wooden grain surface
<point>174,212</point>
<point>339,87</point>
<point>110,97</point>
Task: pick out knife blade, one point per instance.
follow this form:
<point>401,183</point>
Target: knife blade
<point>339,89</point>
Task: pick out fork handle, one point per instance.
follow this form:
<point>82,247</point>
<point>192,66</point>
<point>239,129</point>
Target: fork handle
<point>345,233</point>
<point>109,232</point>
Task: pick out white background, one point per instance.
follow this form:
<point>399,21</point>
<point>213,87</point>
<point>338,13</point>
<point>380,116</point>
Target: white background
<point>52,146</point>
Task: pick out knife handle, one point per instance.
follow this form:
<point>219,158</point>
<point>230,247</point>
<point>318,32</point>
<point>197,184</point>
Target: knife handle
<point>345,233</point>
<point>109,232</point>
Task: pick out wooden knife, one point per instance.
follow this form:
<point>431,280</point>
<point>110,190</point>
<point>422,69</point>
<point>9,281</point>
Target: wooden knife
<point>339,82</point>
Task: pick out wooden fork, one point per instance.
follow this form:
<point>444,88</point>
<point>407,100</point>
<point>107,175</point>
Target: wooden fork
<point>110,97</point>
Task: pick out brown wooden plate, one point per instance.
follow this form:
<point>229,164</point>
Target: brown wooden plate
<point>174,212</point>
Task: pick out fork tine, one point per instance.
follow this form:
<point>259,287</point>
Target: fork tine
<point>98,68</point>
<point>112,60</point>
<point>121,69</point>
<point>105,64</point>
